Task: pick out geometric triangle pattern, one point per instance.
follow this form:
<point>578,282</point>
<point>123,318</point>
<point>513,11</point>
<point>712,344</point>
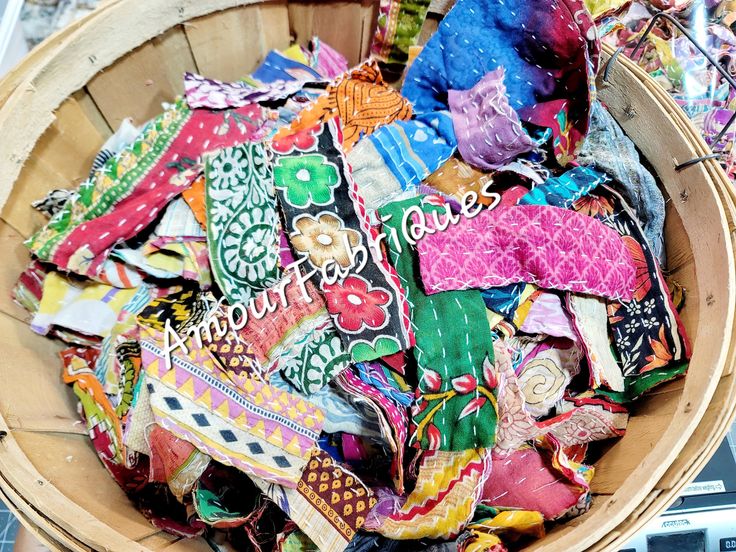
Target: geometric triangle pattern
<point>220,439</point>
<point>275,416</point>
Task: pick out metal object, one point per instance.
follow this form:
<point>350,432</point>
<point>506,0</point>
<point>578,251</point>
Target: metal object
<point>711,60</point>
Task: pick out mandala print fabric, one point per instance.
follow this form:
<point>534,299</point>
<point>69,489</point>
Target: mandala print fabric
<point>242,224</point>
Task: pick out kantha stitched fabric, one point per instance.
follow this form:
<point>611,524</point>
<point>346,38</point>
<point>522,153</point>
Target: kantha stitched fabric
<point>91,309</point>
<point>298,337</point>
<point>553,82</point>
<point>584,419</point>
<point>482,535</point>
<point>195,198</point>
<point>546,372</point>
<point>242,224</point>
<point>326,222</point>
<point>488,130</point>
<point>414,149</point>
<point>650,339</point>
<point>278,67</point>
<point>129,191</point>
<point>361,100</point>
<point>448,488</point>
<point>543,489</point>
<point>329,502</point>
<point>456,178</point>
<point>102,420</point>
<point>564,190</point>
<point>455,407</point>
<point>532,244</point>
<point>342,414</point>
<point>546,316</point>
<point>398,28</point>
<point>306,311</point>
<point>183,309</point>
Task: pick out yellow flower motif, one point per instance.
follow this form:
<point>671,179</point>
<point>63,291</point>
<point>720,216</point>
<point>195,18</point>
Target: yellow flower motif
<point>323,239</point>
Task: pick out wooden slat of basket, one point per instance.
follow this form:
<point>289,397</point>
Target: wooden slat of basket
<point>211,36</point>
<point>15,259</point>
<point>351,36</point>
<point>62,159</point>
<point>153,74</point>
<point>50,536</point>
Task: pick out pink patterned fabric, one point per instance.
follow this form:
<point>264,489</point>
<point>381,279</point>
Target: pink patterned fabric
<point>538,244</point>
<point>525,479</point>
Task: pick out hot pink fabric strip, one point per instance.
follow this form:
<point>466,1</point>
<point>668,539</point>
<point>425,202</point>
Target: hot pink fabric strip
<point>548,246</point>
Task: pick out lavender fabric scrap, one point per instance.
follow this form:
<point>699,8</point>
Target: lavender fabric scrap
<point>487,128</point>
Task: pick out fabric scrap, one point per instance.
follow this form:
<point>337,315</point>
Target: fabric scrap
<point>398,28</point>
<point>455,407</point>
<point>326,222</point>
<point>531,243</point>
<point>129,191</point>
<point>609,150</point>
<point>447,491</point>
<point>553,83</point>
<point>590,318</point>
<point>487,128</point>
<point>242,223</point>
<point>329,502</point>
<point>649,337</point>
<point>360,99</point>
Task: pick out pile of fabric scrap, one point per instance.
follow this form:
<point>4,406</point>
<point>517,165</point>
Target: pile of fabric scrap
<point>307,311</point>
<point>677,65</point>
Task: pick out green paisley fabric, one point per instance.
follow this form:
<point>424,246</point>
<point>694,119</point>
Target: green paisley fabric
<point>242,224</point>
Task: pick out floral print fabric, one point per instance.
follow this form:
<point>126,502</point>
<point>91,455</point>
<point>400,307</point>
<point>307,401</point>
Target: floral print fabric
<point>326,222</point>
<point>455,407</point>
<point>649,337</point>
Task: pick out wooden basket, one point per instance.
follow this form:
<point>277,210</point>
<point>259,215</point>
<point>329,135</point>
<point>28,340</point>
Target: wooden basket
<point>60,104</point>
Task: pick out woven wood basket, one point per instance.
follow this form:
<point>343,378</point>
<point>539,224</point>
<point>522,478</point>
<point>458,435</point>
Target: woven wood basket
<point>58,106</point>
